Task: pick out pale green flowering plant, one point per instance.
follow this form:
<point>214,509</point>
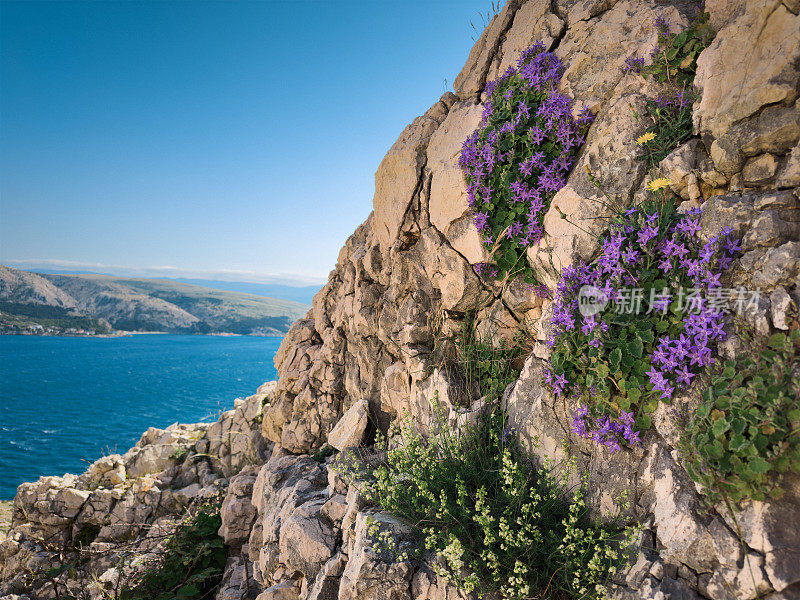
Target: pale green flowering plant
<point>497,523</point>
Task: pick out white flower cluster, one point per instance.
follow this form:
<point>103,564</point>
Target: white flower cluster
<point>385,542</point>
<point>603,551</point>
<point>496,522</point>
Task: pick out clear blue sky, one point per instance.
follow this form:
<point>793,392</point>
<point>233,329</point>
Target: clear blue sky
<point>208,136</point>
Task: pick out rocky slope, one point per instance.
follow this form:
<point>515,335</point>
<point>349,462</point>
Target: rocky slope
<point>145,304</point>
<point>295,530</point>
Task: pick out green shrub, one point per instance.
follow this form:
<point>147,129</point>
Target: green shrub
<point>746,431</point>
<point>486,363</point>
<point>180,454</point>
<point>323,453</point>
<point>672,125</point>
<point>675,57</point>
<point>191,565</point>
<point>499,523</point>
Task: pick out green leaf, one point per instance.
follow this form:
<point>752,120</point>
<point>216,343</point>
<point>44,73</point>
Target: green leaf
<point>614,358</point>
<point>738,443</point>
<point>761,441</point>
<point>720,426</point>
<point>738,425</point>
<point>714,449</point>
<point>722,402</point>
<point>634,394</point>
<point>680,39</point>
<point>635,347</point>
<point>187,592</point>
<point>777,341</point>
<point>602,371</point>
<point>777,493</point>
<point>758,465</point>
<point>703,410</point>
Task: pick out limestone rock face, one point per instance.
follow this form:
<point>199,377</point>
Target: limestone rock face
<point>533,22</point>
<point>124,503</point>
<point>427,585</point>
<point>238,512</point>
<point>400,170</point>
<point>405,278</point>
<point>769,225</point>
<point>735,85</point>
<point>448,196</point>
<point>472,78</point>
<point>364,355</point>
<point>369,575</point>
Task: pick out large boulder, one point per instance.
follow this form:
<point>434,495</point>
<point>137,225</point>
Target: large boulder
<point>397,178</point>
<point>735,84</point>
<point>349,431</point>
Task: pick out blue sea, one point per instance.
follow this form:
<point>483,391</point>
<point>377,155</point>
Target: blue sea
<point>64,402</point>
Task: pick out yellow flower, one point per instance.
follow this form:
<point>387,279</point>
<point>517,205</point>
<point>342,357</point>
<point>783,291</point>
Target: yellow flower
<point>657,184</point>
<point>643,139</point>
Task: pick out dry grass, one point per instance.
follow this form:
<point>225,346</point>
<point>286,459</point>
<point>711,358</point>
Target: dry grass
<point>5,515</point>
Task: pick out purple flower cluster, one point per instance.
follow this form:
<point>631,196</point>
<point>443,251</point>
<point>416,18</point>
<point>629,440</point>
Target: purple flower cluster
<point>662,26</point>
<point>520,155</point>
<point>606,431</point>
<point>557,382</point>
<point>633,64</point>
<point>541,290</point>
<point>485,269</point>
<point>642,248</point>
<point>679,99</point>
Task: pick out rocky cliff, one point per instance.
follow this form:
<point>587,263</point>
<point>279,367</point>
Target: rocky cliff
<point>364,354</point>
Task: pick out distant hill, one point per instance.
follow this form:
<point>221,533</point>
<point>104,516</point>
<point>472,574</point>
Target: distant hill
<point>136,304</point>
<point>302,294</point>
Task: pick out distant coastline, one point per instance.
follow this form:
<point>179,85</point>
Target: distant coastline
<point>114,334</point>
<point>62,305</point>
